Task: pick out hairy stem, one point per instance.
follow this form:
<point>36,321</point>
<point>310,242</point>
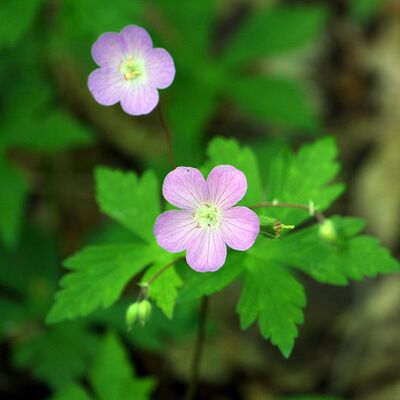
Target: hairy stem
<point>194,371</point>
<point>167,135</point>
<point>318,215</point>
<point>163,269</point>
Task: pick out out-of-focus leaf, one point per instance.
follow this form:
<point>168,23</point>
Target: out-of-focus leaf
<point>132,201</point>
<point>191,23</point>
<point>272,295</point>
<point>112,376</point>
<point>274,31</point>
<point>70,392</point>
<point>16,16</point>
<point>39,126</point>
<point>227,151</point>
<point>188,116</point>
<point>280,101</point>
<point>77,31</point>
<point>12,201</point>
<point>99,274</point>
<point>58,355</point>
<point>363,10</point>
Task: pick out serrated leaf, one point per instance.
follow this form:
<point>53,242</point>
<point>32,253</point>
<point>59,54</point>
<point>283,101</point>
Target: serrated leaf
<point>112,376</point>
<point>197,285</point>
<point>303,177</point>
<point>274,31</point>
<point>227,151</point>
<point>12,202</point>
<point>132,201</point>
<point>352,258</point>
<point>98,276</point>
<point>164,289</point>
<point>277,100</point>
<point>57,356</point>
<point>276,298</point>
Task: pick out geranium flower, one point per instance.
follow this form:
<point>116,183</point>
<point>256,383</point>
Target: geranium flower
<point>208,220</point>
<point>131,70</point>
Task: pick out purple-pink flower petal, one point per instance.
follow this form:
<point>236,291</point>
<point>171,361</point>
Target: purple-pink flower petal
<point>240,227</point>
<point>135,40</point>
<point>206,251</point>
<point>173,230</point>
<point>226,185</point>
<point>160,68</point>
<point>106,86</point>
<point>107,50</point>
<point>139,99</point>
<point>185,187</point>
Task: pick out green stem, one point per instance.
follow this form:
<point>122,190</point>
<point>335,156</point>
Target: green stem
<point>318,215</point>
<point>194,371</point>
<point>167,135</point>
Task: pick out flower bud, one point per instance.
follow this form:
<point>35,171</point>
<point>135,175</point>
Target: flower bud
<point>327,231</point>
<point>132,315</point>
<point>144,311</point>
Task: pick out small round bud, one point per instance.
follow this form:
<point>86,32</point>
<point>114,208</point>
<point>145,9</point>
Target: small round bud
<point>144,311</point>
<point>327,231</point>
<point>132,315</point>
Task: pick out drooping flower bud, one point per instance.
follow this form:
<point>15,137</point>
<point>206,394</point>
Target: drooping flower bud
<point>132,314</point>
<point>328,232</point>
<point>144,311</point>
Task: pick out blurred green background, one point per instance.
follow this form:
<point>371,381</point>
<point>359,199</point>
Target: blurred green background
<point>265,72</point>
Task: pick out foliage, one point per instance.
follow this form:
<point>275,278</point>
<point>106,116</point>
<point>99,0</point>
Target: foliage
<point>111,377</point>
<point>44,47</point>
<point>271,295</point>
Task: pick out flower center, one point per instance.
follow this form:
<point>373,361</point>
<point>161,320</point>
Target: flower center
<point>208,216</point>
<point>131,68</point>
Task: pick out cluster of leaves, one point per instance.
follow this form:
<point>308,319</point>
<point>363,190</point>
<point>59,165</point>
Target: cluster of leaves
<point>31,119</point>
<point>272,293</point>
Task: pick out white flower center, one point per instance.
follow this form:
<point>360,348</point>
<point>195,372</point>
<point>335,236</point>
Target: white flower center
<point>132,68</point>
<point>208,216</point>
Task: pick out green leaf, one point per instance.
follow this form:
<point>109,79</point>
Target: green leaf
<point>58,355</point>
<point>72,391</point>
<point>164,289</point>
<point>352,258</point>
<point>280,101</point>
<point>40,127</point>
<point>189,116</point>
<point>132,201</point>
<point>15,17</point>
<point>197,285</point>
<point>112,376</point>
<point>301,178</point>
<point>272,295</point>
<point>13,197</point>
<point>227,151</point>
<point>363,10</point>
<point>99,274</point>
<point>274,31</point>
<point>193,23</point>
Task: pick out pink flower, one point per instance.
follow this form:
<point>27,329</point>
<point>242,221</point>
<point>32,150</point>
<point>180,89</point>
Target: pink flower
<point>207,221</point>
<point>131,70</point>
